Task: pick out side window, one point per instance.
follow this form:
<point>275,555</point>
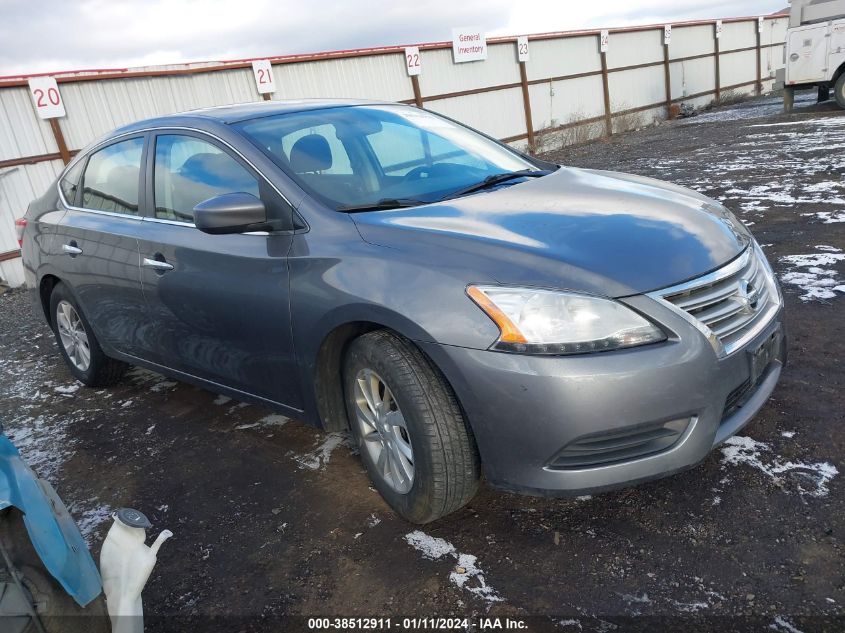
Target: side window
<point>189,170</point>
<point>398,148</point>
<point>111,178</point>
<point>70,182</point>
<point>316,149</point>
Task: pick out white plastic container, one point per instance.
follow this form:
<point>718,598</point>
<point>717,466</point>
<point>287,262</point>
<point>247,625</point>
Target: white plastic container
<point>125,565</point>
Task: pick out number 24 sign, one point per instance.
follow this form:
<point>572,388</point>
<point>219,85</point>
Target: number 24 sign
<point>46,97</point>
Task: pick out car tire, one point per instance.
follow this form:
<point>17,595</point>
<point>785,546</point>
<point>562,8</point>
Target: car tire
<point>839,91</point>
<point>56,610</point>
<point>419,411</point>
<point>83,354</point>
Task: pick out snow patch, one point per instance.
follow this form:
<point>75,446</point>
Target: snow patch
<point>780,624</point>
<point>90,514</point>
<point>813,477</point>
<point>808,273</point>
<point>466,575</point>
<point>319,458</point>
<point>67,390</point>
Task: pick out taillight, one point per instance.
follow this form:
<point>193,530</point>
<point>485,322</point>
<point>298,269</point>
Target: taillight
<point>20,225</point>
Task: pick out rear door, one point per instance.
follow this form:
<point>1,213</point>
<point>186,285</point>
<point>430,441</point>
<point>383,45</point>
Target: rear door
<point>219,303</point>
<point>96,244</point>
<point>806,59</point>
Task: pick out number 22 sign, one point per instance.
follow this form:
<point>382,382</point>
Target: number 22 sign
<point>263,76</point>
<point>412,60</point>
<point>46,97</point>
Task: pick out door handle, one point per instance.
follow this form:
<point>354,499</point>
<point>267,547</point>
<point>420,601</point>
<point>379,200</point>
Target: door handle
<point>71,249</point>
<point>157,265</point>
<point>794,57</point>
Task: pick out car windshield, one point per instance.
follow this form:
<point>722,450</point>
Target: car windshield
<point>381,156</point>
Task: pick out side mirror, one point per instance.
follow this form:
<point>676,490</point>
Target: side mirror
<point>229,213</point>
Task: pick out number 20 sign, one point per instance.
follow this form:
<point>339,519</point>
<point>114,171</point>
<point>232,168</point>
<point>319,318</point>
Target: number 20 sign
<point>263,76</point>
<point>46,97</point>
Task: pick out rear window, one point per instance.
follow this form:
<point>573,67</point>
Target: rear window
<point>111,178</point>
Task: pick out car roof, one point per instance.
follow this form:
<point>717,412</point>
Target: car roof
<point>244,111</point>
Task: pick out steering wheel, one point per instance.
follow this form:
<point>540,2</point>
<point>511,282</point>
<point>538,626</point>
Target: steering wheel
<point>427,171</point>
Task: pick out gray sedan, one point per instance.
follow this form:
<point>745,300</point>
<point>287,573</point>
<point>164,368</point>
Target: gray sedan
<point>460,306</point>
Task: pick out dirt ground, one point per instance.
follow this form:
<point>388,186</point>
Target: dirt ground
<point>273,518</point>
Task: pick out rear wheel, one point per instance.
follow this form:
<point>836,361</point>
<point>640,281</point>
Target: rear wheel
<point>413,438</point>
<point>35,590</point>
<point>839,91</point>
<point>77,343</point>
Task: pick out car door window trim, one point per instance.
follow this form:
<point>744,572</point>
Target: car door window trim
<point>157,130</point>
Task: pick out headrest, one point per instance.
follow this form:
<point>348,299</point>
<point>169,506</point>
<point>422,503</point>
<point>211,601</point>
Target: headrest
<point>310,153</point>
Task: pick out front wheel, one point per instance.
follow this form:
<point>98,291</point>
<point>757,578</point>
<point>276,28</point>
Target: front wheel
<point>413,439</point>
<point>839,91</point>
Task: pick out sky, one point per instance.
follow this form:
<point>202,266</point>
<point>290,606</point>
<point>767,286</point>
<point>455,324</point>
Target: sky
<point>53,35</point>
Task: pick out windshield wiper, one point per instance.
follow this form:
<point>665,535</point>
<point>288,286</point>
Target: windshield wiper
<point>496,179</point>
<point>383,204</point>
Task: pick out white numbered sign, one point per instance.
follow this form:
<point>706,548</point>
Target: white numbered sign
<point>760,24</point>
<point>605,41</point>
<point>413,64</point>
<point>667,34</point>
<point>263,72</point>
<point>522,48</point>
<point>718,29</point>
<point>46,97</point>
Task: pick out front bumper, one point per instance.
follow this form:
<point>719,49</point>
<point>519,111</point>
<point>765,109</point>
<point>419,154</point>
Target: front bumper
<point>524,410</point>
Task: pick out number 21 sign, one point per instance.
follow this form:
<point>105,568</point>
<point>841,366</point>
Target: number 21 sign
<point>46,97</point>
<point>263,76</point>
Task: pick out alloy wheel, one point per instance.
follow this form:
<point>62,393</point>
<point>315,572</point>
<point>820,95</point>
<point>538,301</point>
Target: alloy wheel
<point>384,431</point>
<point>73,335</point>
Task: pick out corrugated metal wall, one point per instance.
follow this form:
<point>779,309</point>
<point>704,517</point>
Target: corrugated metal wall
<point>564,82</point>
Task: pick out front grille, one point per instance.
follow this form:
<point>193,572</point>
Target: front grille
<point>612,447</point>
<point>730,305</point>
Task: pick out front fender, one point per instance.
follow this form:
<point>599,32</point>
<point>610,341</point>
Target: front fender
<point>51,528</point>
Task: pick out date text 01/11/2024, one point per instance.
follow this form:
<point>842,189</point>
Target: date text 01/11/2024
<point>416,624</point>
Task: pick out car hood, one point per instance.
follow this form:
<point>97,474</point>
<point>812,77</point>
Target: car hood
<point>595,231</point>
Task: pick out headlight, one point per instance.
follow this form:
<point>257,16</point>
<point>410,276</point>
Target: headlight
<point>535,321</point>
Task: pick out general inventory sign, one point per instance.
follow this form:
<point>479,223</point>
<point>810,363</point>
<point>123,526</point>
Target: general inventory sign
<point>469,44</point>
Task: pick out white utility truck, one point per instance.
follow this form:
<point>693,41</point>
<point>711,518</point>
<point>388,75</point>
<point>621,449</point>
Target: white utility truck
<point>815,49</point>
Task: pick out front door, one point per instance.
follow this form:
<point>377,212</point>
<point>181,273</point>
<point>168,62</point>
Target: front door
<point>219,303</point>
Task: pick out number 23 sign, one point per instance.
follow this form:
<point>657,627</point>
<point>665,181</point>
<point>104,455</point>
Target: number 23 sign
<point>46,97</point>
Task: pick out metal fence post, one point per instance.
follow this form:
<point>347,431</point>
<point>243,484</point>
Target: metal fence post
<point>526,103</point>
<point>668,78</point>
<point>415,84</point>
<point>60,140</point>
<point>759,63</point>
<point>716,58</point>
<point>608,115</point>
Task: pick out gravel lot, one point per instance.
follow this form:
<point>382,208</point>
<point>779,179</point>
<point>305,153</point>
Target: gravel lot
<point>273,518</point>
